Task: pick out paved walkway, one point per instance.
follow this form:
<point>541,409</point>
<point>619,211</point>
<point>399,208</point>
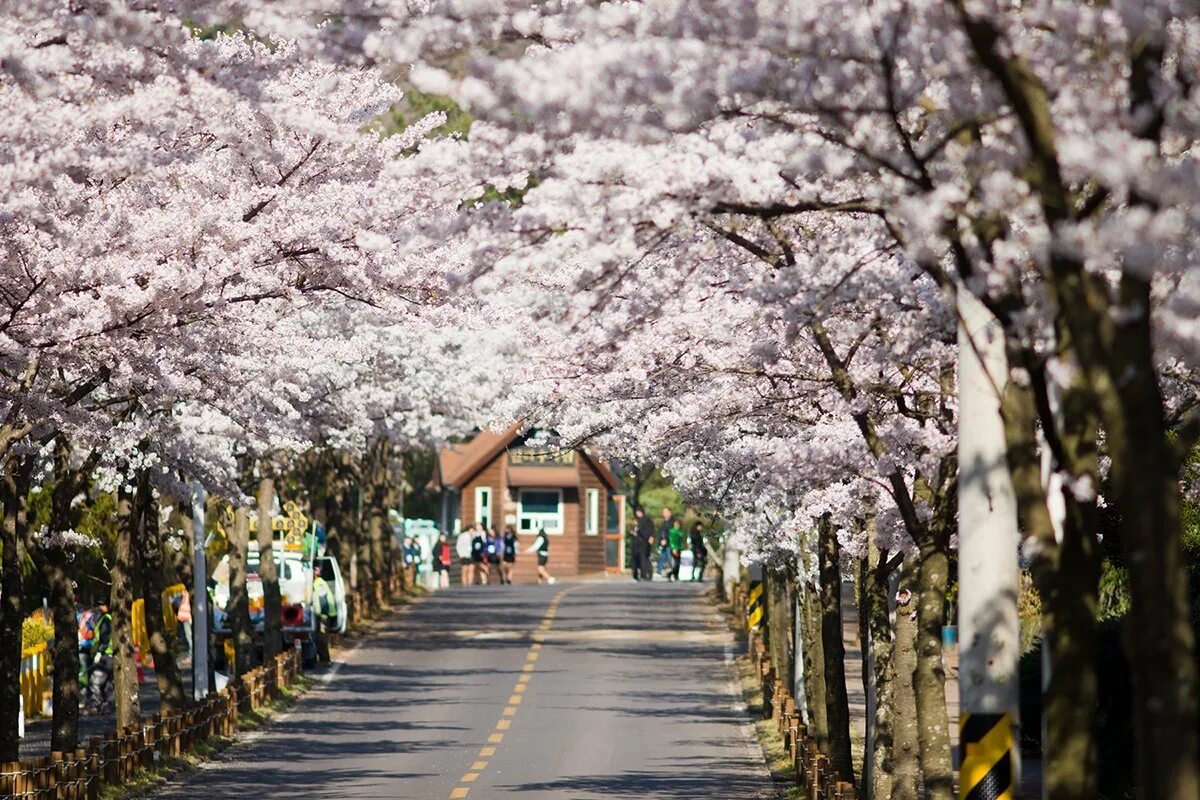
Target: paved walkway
<point>591,690</point>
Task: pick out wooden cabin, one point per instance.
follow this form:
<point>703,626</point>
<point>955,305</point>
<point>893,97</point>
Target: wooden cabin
<point>499,480</point>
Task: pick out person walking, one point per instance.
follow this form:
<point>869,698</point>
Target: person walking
<point>510,554</point>
<point>100,690</point>
<point>479,554</point>
<point>462,545</point>
<point>184,617</point>
<point>325,609</point>
<point>85,619</point>
<point>541,545</point>
<point>699,552</point>
<point>675,544</point>
<point>664,533</point>
<point>643,535</point>
<point>493,545</point>
<point>442,558</point>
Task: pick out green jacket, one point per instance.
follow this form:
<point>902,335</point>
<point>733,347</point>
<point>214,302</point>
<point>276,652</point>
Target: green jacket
<point>675,538</point>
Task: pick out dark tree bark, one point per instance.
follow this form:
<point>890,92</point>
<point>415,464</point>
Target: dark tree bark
<point>779,622</point>
<point>906,755</point>
<point>837,703</point>
<point>1066,575</point>
<point>272,600</point>
<point>814,668</point>
<point>162,642</point>
<point>16,498</point>
<point>125,685</point>
<point>875,627</point>
<point>239,598</point>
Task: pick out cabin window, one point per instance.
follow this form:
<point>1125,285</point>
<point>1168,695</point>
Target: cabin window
<point>540,509</point>
<point>613,520</point>
<point>593,512</point>
<point>483,506</point>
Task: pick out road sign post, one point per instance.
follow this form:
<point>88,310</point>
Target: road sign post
<point>199,597</point>
<point>987,563</point>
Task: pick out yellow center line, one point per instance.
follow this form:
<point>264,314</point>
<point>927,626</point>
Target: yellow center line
<point>504,723</point>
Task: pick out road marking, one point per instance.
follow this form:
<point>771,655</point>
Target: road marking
<point>510,710</point>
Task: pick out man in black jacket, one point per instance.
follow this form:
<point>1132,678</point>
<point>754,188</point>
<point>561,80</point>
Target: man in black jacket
<point>642,537</point>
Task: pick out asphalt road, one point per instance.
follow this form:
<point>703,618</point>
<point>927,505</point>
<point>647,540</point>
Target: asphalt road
<point>591,690</point>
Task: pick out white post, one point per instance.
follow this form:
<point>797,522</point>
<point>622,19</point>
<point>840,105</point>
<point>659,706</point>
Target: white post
<point>731,568</point>
<point>988,542</point>
<point>798,693</point>
<point>199,597</point>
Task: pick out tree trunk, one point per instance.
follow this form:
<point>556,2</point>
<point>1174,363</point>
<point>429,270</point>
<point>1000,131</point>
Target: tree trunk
<point>16,497</point>
<point>875,627</point>
<point>1161,642</point>
<point>378,525</point>
<point>833,649</point>
<point>779,622</point>
<point>125,685</point>
<point>929,680</point>
<point>239,598</point>
<point>1066,575</point>
<point>814,669</point>
<point>906,754</point>
<point>272,600</point>
<point>52,562</point>
<point>162,642</point>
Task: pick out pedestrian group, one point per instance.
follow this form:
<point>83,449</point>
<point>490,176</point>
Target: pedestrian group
<point>487,557</point>
<point>670,539</point>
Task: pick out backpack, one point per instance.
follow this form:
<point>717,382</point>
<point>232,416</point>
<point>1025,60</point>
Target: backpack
<point>87,625</point>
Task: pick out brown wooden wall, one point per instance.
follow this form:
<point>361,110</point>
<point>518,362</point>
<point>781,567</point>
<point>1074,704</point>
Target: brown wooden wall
<point>591,548</point>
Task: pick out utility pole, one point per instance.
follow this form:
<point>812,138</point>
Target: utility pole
<point>987,563</point>
<point>199,597</point>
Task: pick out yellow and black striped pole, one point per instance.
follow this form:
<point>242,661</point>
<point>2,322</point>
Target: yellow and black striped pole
<point>754,605</point>
<point>988,769</point>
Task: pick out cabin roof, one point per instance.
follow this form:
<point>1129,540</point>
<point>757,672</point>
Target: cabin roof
<point>459,463</point>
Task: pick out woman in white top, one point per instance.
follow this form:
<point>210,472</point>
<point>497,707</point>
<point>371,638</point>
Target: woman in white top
<point>462,546</point>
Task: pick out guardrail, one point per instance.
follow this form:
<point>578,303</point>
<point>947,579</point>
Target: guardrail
<point>812,769</point>
<point>116,757</point>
